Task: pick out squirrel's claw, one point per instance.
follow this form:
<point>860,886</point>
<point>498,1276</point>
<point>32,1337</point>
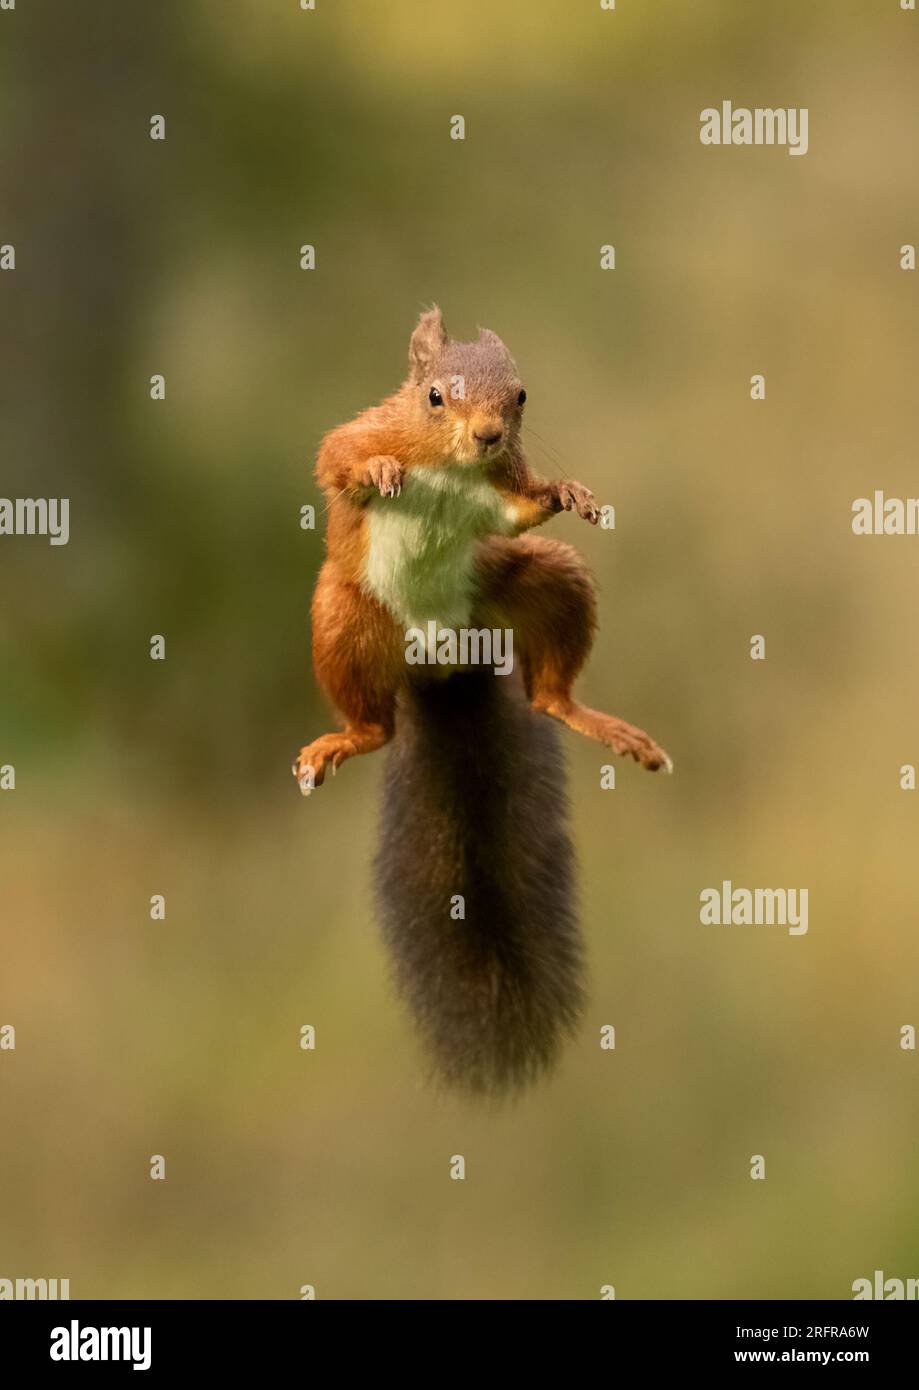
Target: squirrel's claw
<point>385,474</point>
<point>575,497</point>
<point>652,757</point>
<point>315,759</point>
<point>305,774</point>
<point>585,504</point>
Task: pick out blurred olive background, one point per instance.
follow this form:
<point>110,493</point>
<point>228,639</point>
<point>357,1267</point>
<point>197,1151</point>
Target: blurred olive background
<point>135,777</point>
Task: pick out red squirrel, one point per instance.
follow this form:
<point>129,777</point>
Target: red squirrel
<point>431,502</point>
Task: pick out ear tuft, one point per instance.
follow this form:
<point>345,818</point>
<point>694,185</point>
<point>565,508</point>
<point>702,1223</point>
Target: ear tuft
<point>428,340</point>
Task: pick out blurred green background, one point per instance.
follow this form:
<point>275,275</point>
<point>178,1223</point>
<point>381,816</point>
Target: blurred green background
<point>134,777</point>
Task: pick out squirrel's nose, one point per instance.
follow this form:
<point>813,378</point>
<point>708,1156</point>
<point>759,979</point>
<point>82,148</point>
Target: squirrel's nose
<point>490,437</point>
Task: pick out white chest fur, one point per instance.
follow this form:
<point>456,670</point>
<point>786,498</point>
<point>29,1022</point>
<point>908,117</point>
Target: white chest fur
<point>421,557</point>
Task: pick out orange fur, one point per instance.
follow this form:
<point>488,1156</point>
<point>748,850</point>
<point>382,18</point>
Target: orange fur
<point>538,587</point>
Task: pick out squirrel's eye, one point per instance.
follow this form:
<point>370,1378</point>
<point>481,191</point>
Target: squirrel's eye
<point>435,397</point>
<point>521,398</point>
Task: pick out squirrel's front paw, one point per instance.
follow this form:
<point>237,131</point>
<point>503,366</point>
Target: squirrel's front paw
<point>385,474</point>
<point>568,496</point>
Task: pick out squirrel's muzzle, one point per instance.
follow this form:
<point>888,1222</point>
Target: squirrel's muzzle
<point>487,433</point>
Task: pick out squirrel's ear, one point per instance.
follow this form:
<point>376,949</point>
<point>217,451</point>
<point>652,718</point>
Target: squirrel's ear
<point>486,336</point>
<point>428,339</point>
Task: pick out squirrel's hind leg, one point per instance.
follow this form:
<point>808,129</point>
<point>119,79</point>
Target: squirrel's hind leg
<point>358,662</point>
<point>542,589</point>
<point>623,738</point>
<point>331,750</point>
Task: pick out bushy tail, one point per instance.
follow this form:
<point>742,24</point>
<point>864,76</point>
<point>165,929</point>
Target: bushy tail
<point>475,809</point>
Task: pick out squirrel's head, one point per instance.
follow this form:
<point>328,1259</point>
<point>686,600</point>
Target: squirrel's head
<point>469,395</point>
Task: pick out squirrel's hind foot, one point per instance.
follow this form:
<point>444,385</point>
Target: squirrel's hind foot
<point>624,739</point>
<point>309,767</point>
<point>331,750</point>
